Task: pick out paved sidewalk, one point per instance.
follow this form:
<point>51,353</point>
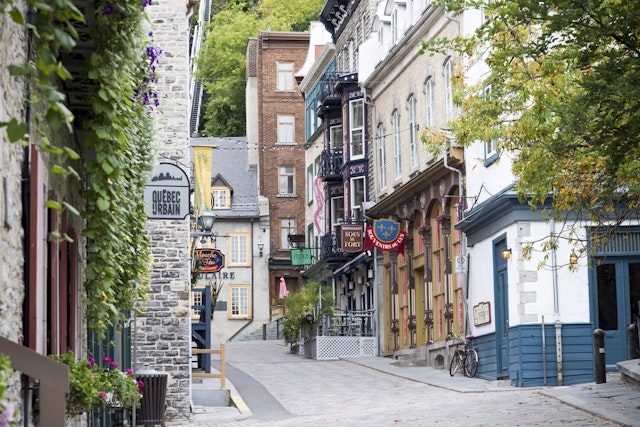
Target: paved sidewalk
<point>615,400</point>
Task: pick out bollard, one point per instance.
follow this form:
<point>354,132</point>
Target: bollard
<point>599,358</point>
<point>632,333</point>
<point>264,332</point>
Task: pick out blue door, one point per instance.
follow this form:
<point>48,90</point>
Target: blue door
<point>618,293</point>
<point>501,295</point>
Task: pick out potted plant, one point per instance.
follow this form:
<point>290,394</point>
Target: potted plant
<point>84,382</point>
<point>93,386</point>
<point>122,391</point>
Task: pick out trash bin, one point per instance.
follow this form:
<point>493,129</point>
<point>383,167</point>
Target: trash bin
<point>154,393</point>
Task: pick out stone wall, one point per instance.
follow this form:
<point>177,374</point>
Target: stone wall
<point>12,50</point>
<point>163,331</point>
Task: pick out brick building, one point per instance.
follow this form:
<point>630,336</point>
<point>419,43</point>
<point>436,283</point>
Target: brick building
<point>278,123</point>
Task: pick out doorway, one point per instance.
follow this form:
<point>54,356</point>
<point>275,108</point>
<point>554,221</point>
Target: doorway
<point>617,296</point>
<point>501,295</point>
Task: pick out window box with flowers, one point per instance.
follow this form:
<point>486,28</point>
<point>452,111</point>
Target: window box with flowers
<point>93,386</point>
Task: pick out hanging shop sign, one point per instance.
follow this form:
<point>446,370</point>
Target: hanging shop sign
<point>301,256</point>
<point>351,237</point>
<point>166,195</point>
<point>211,260</point>
<point>385,235</point>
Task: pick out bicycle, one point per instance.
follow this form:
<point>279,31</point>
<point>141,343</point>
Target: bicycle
<point>465,358</point>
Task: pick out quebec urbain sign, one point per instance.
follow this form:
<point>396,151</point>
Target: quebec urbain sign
<point>166,195</point>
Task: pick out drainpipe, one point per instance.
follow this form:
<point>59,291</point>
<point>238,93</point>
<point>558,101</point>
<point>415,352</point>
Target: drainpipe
<point>556,307</point>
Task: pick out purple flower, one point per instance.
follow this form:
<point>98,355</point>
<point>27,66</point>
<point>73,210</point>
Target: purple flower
<point>91,361</point>
<point>140,383</point>
<point>107,9</point>
<point>146,3</point>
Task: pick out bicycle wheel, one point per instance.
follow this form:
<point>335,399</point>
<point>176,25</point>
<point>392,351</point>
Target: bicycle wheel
<point>456,363</point>
<point>471,363</point>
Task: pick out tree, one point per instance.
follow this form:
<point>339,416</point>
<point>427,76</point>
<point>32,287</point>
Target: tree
<point>223,58</point>
<point>563,94</point>
<point>222,67</point>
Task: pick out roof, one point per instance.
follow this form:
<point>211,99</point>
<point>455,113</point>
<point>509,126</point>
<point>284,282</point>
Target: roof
<point>230,164</point>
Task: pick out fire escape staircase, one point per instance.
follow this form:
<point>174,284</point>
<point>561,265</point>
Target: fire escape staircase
<point>195,82</point>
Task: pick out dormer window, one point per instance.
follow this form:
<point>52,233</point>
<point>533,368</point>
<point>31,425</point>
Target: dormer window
<point>220,198</point>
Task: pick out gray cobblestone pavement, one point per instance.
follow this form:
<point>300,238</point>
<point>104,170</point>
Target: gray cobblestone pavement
<point>376,391</point>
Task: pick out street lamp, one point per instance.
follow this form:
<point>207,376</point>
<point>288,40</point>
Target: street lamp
<point>260,246</point>
<point>206,220</point>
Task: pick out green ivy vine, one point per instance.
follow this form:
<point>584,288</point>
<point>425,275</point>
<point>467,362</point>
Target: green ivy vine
<point>121,72</point>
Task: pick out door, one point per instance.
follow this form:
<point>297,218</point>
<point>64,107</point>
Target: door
<point>617,291</point>
<point>501,295</point>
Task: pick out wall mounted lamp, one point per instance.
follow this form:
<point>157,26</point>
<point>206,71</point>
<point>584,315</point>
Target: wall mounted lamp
<point>260,246</point>
<point>205,222</point>
<point>573,258</point>
<point>506,253</point>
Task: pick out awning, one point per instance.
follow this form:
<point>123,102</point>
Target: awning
<point>351,264</point>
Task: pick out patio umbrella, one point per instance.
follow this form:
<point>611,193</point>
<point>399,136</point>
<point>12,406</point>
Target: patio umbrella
<point>283,288</point>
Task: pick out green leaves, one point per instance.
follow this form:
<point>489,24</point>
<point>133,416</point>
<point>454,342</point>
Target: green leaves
<point>15,130</point>
<point>564,81</point>
<point>121,140</point>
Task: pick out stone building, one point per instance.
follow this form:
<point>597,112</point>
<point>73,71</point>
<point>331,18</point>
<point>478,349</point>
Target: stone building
<point>163,330</point>
<point>41,299</point>
<point>278,123</point>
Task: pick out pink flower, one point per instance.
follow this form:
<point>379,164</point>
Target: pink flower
<point>140,383</point>
<point>129,371</point>
<point>103,395</point>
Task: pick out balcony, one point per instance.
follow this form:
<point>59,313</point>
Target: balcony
<point>328,96</point>
<point>332,251</point>
<point>332,164</point>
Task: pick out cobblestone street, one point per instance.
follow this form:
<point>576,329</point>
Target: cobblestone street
<point>300,391</point>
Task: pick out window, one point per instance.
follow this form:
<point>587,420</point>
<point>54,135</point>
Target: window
<point>430,98</point>
<point>285,76</point>
<point>382,159</point>
<point>397,158</point>
<point>357,197</point>
<point>356,128</point>
<point>286,128</point>
<point>310,180</point>
<point>413,137</point>
<point>240,298</point>
<point>394,26</point>
<point>311,240</point>
<point>287,180</point>
<point>337,213</point>
<point>239,248</point>
<point>448,89</point>
<point>336,138</point>
<point>490,147</point>
<point>220,198</point>
<point>287,226</point>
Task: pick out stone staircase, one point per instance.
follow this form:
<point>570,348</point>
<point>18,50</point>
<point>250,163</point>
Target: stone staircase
<point>269,331</point>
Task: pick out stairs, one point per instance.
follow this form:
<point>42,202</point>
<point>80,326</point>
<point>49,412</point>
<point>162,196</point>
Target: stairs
<point>273,332</point>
